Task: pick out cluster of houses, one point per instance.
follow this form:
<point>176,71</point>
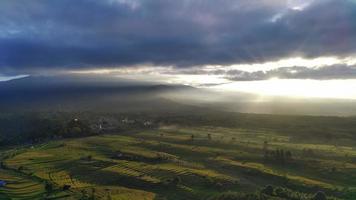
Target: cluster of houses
<point>145,123</point>
<point>106,124</point>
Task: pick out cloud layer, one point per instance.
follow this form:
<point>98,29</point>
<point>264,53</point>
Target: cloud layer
<point>71,35</point>
<point>324,73</point>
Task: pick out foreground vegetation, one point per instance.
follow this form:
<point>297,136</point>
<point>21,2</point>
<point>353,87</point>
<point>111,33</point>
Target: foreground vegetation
<point>180,162</point>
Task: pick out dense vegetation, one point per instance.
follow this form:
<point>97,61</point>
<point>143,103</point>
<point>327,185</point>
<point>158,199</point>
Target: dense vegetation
<point>33,127</point>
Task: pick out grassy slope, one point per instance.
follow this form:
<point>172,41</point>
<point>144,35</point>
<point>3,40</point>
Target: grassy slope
<point>204,167</point>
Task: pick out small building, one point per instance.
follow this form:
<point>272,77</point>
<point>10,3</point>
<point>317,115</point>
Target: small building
<point>2,183</point>
<point>127,121</point>
<point>147,123</point>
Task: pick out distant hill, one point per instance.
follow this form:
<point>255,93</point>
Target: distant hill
<point>103,94</point>
<point>77,93</point>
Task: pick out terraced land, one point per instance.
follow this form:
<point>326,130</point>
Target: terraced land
<point>176,163</point>
<point>20,187</point>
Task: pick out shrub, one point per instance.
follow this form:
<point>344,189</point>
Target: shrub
<point>229,196</point>
<point>176,180</point>
<point>236,196</point>
<point>48,187</point>
<point>319,196</point>
<point>281,192</point>
<point>89,158</point>
<point>66,187</point>
<point>268,190</point>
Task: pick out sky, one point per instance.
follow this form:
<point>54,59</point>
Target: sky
<point>303,48</point>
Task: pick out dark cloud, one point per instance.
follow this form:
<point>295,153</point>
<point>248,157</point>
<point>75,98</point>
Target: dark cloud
<point>321,73</point>
<point>67,34</point>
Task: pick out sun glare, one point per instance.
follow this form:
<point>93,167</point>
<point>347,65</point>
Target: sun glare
<point>338,89</point>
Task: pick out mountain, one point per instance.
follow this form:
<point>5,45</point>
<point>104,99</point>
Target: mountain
<point>78,93</point>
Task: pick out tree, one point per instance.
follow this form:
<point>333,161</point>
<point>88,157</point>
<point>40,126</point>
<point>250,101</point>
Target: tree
<point>66,187</point>
<point>282,192</point>
<point>288,155</point>
<point>235,196</point>
<point>308,152</point>
<point>266,155</point>
<point>77,128</point>
<point>75,131</point>
<point>333,169</point>
<point>176,180</point>
<point>108,197</point>
<point>48,187</point>
<point>265,146</point>
<point>90,158</point>
<point>2,165</point>
<point>92,194</point>
<point>85,195</point>
<point>279,156</point>
<point>268,190</point>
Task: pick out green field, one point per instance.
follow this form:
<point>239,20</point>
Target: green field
<point>178,163</point>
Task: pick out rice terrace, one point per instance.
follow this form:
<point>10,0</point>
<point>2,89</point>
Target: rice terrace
<point>180,162</point>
